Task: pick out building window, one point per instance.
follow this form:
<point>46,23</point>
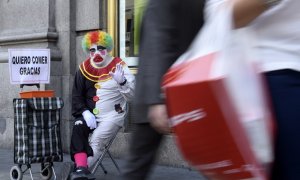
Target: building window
<point>131,12</point>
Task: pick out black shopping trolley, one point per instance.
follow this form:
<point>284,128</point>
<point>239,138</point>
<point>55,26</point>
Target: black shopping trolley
<point>36,135</point>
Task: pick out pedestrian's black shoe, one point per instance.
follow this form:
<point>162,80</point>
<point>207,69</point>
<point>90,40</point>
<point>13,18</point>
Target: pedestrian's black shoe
<point>81,173</point>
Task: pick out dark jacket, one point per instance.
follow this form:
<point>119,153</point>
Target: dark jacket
<point>168,28</point>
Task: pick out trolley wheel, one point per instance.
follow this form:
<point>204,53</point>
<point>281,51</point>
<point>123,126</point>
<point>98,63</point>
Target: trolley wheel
<point>46,172</point>
<point>16,173</point>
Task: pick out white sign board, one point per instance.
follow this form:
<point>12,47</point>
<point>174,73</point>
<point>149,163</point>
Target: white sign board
<point>29,66</point>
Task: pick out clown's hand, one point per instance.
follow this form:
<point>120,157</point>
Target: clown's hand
<point>90,119</point>
<point>118,75</point>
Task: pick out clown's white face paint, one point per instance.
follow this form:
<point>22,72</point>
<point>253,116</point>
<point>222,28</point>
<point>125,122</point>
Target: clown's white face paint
<point>99,56</point>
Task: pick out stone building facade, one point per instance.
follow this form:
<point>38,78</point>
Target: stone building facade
<point>59,26</point>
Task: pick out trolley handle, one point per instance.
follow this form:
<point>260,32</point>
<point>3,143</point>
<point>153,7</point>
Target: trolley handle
<point>22,85</point>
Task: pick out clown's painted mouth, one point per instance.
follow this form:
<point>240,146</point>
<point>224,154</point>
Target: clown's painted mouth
<point>97,59</point>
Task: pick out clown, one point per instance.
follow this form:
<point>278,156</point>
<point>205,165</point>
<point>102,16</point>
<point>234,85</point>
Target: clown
<point>103,85</point>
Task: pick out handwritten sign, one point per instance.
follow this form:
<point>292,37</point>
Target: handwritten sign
<point>29,66</point>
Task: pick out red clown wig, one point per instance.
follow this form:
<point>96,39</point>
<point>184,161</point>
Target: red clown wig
<point>99,38</point>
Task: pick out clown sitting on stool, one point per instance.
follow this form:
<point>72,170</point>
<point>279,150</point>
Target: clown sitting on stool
<point>103,84</point>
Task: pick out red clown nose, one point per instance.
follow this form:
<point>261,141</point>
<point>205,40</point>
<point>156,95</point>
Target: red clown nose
<point>97,58</point>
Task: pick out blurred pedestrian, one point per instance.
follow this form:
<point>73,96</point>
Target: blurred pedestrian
<point>168,28</point>
<point>276,24</point>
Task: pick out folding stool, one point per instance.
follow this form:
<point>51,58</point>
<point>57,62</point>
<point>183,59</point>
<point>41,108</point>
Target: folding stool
<point>106,151</point>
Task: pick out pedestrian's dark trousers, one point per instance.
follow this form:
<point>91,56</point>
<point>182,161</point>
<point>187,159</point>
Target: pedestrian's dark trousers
<point>80,138</point>
<point>284,86</point>
<point>143,146</point>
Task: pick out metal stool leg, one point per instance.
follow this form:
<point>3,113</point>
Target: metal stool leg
<point>106,150</point>
<point>99,163</point>
<point>104,170</point>
<point>113,160</point>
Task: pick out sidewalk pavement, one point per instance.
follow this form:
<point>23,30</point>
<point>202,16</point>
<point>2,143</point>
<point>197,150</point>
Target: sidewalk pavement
<point>159,172</point>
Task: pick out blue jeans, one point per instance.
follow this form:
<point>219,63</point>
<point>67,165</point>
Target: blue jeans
<point>284,88</point>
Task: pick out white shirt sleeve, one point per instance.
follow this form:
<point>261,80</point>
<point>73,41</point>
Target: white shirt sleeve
<point>127,90</point>
<point>211,7</point>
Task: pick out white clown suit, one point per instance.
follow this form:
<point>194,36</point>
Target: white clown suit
<point>95,90</point>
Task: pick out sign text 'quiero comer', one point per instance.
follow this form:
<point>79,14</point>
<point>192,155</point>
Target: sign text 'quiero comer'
<point>29,66</point>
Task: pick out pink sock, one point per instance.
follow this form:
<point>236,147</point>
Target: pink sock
<point>81,159</point>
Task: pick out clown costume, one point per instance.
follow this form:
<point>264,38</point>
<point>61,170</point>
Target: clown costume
<point>102,87</point>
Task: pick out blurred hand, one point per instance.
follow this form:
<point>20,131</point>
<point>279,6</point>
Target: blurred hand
<point>118,75</point>
<point>90,119</point>
<point>158,117</point>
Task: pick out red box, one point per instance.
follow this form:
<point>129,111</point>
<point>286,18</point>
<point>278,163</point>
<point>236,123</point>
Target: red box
<point>207,126</point>
<point>32,94</point>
